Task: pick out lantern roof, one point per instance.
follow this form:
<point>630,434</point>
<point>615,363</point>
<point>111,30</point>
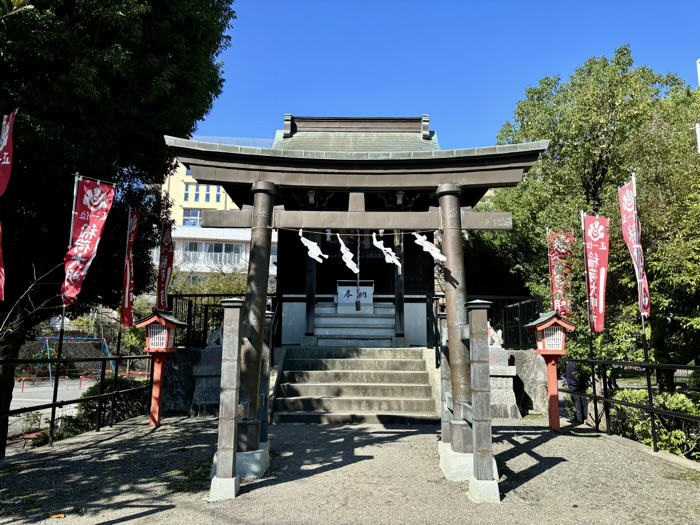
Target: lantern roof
<point>548,319</point>
<point>160,317</point>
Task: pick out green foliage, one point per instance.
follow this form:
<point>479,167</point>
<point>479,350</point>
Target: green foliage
<point>31,421</point>
<point>14,7</point>
<point>694,380</point>
<point>674,435</point>
<point>126,406</point>
<point>214,283</point>
<point>98,84</point>
<point>609,120</point>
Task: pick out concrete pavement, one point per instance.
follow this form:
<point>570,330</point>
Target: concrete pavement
<point>345,475</point>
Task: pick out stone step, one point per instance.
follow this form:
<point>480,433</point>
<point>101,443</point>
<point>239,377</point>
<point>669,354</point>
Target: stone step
<point>354,376</point>
<point>370,418</point>
<point>315,352</point>
<point>377,308</point>
<point>349,331</point>
<point>355,404</point>
<point>415,365</point>
<point>356,341</point>
<point>354,390</point>
<point>354,320</point>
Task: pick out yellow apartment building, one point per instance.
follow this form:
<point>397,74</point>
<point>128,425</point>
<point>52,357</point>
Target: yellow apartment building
<point>200,250</point>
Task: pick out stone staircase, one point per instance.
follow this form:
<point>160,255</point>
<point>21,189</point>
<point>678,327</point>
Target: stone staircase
<point>356,328</point>
<point>354,385</point>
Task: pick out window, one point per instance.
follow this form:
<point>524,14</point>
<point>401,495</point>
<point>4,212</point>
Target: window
<point>196,193</point>
<point>188,173</point>
<point>213,254</point>
<point>192,218</point>
<point>206,193</point>
<point>187,192</point>
<point>218,194</point>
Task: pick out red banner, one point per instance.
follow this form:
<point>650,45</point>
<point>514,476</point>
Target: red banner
<point>596,233</point>
<point>560,254</point>
<point>94,200</point>
<point>8,121</point>
<point>165,267</point>
<point>632,232</point>
<point>128,285</point>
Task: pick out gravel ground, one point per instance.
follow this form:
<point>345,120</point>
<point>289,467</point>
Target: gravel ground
<point>344,475</point>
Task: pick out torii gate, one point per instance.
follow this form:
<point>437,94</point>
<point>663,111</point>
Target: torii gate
<point>260,175</point>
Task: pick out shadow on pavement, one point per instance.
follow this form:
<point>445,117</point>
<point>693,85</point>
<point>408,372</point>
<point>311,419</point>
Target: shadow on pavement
<point>299,453</point>
<point>86,475</point>
<point>526,440</point>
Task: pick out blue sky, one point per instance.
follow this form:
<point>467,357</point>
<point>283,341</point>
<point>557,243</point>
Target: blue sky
<point>465,63</point>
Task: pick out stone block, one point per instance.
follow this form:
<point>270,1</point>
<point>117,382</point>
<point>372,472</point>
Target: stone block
<point>224,488</point>
<point>498,357</point>
<point>484,491</point>
<point>254,463</point>
<point>530,383</point>
<point>458,466</point>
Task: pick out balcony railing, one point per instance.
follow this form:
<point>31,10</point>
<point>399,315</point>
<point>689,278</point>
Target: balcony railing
<point>212,259</point>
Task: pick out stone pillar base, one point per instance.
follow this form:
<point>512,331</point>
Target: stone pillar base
<point>484,491</point>
<point>224,488</point>
<point>255,463</point>
<point>461,436</point>
<point>457,466</point>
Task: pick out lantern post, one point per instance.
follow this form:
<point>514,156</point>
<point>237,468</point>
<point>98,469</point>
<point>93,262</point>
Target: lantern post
<point>550,329</point>
<point>160,341</point>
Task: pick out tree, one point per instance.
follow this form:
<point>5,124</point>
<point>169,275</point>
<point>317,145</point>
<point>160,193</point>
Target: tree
<point>609,120</point>
<point>98,83</point>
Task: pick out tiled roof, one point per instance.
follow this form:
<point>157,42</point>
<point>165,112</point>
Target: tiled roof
<point>358,141</point>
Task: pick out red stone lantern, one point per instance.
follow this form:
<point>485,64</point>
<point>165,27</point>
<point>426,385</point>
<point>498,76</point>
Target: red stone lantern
<point>551,345</point>
<point>160,341</point>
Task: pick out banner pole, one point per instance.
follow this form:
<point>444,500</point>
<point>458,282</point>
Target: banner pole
<point>115,377</point>
<point>590,327</point>
<point>645,346</point>
<point>59,352</point>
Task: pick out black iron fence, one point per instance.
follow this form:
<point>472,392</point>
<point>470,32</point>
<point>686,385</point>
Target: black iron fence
<point>109,370</point>
<point>203,313</point>
<point>510,314</point>
<point>653,421</point>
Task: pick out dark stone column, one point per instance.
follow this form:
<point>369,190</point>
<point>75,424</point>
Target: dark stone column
<point>254,320</point>
<point>455,297</point>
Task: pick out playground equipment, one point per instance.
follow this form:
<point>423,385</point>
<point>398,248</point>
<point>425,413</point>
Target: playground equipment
<point>85,346</point>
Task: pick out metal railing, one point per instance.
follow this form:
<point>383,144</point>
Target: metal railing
<point>203,313</point>
<point>605,370</point>
<point>509,313</point>
<point>213,259</point>
<point>112,396</point>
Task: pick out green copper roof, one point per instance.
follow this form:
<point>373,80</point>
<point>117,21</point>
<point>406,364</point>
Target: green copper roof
<point>355,141</point>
